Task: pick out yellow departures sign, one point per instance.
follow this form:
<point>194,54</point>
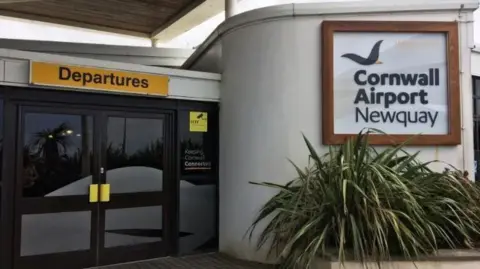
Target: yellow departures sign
<point>80,77</point>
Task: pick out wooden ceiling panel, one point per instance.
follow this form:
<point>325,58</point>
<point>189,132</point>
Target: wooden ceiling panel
<point>124,16</point>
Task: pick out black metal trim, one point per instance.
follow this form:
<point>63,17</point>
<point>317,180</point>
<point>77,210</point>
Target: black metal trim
<point>8,184</point>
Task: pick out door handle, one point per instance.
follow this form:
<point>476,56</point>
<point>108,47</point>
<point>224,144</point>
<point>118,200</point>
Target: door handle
<point>105,193</point>
<point>93,193</point>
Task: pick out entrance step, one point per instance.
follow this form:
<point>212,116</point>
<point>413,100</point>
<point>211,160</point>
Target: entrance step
<point>202,261</point>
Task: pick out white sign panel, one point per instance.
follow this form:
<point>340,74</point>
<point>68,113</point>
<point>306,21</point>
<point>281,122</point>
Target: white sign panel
<point>395,82</point>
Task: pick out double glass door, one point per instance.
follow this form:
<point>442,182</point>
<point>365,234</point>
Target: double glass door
<point>91,187</point>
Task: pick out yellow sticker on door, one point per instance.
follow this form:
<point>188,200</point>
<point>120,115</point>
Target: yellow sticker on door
<point>198,121</point>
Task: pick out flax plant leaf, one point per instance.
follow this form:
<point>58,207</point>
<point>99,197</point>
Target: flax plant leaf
<point>358,202</point>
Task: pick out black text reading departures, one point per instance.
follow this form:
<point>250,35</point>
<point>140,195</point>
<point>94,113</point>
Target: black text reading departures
<point>86,78</point>
<point>370,95</point>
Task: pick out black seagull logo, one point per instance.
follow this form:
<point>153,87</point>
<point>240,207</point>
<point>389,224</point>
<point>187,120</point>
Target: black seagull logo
<point>372,58</point>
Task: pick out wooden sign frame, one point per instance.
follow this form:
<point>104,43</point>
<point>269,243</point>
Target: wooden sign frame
<point>450,29</point>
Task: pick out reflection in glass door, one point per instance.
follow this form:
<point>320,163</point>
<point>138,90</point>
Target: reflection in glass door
<point>134,174</point>
<point>91,188</point>
<point>55,163</point>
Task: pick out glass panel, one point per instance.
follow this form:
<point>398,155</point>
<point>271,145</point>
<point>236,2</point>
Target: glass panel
<point>197,148</point>
<point>197,218</point>
<point>476,146</point>
<point>476,86</point>
<point>132,226</point>
<point>476,106</point>
<point>476,125</point>
<point>57,156</point>
<point>198,205</point>
<point>135,155</point>
<point>55,232</point>
<point>1,153</point>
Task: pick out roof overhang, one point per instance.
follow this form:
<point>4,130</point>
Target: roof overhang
<point>155,19</point>
<point>166,57</point>
<point>207,56</point>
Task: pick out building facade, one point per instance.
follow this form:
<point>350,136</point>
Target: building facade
<point>106,161</point>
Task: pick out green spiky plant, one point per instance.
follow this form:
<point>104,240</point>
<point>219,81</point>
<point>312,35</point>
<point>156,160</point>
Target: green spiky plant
<point>359,203</point>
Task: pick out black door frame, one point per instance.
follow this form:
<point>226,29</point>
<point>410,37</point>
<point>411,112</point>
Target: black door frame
<point>164,198</point>
<point>12,96</point>
<point>41,205</point>
<point>97,254</point>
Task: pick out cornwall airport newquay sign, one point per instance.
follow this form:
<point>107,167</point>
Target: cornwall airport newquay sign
<point>399,77</point>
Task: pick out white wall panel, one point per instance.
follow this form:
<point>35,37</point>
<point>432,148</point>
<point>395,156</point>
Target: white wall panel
<point>16,71</point>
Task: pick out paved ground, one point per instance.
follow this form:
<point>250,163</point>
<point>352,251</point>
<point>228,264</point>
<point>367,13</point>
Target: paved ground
<point>203,261</point>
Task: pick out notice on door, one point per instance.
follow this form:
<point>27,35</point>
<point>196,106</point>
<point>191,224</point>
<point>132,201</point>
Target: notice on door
<point>195,160</point>
<point>198,121</point>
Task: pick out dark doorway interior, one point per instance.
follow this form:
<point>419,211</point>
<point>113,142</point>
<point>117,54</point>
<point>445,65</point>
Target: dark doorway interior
<point>99,179</point>
<point>476,124</point>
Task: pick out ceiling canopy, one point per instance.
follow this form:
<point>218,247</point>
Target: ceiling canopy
<point>144,18</point>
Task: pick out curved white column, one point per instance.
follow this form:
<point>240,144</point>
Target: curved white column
<point>267,101</point>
